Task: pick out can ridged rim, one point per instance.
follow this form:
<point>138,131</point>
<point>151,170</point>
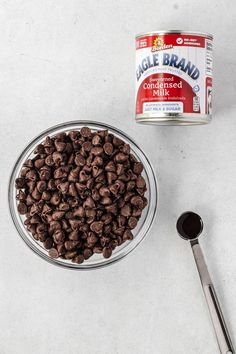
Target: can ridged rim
<point>174,119</point>
<point>194,33</point>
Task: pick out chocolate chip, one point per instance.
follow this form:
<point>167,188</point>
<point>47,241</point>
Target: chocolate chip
<point>125,149</point>
<point>35,219</point>
<point>20,183</point>
<point>65,224</point>
<point>46,209</point>
<point>104,191</point>
<point>57,215</point>
<point>57,157</point>
<point>72,190</point>
<point>137,212</point>
<point>91,239</point>
<point>35,194</point>
<point>103,133</point>
<point>55,199</point>
<point>108,148</point>
<point>117,188</point>
<point>107,252</point>
<point>24,171</point>
<point>98,161</point>
<point>31,186</point>
<point>138,168</point>
<point>111,176</point>
<point>106,201</point>
<point>85,132</point>
<point>110,167</point>
<point>41,186</point>
<point>46,195</point>
<point>96,140</point>
<point>126,210</point>
<point>87,146</point>
<point>52,184</point>
<point>39,163</point>
<point>124,177</point>
<point>44,175</point>
<point>74,223</point>
<point>137,201</point>
<point>21,196</point>
<point>49,150</point>
<point>140,182</point>
<point>79,160</point>
<point>61,250</point>
<point>48,142</point>
<point>117,141</point>
<point>73,135</point>
<point>128,196</point>
<point>87,253</point>
<point>80,212</point>
<point>60,173</point>
<point>48,243</point>
<point>121,220</point>
<point>96,171</point>
<point>130,186</point>
<point>80,187</point>
<point>89,203</point>
<point>31,175</point>
<point>32,229</point>
<point>59,145</point>
<point>140,191</point>
<point>49,160</point>
<point>54,226</point>
<point>97,249</point>
<point>120,157</point>
<point>63,187</point>
<point>53,253</point>
<point>70,245</point>
<point>83,177</point>
<point>22,208</point>
<point>96,226</point>
<point>120,169</point>
<point>59,237</point>
<point>39,149</point>
<point>113,244</point>
<point>74,235</point>
<point>79,259</point>
<point>127,235</point>
<point>107,218</point>
<point>74,174</point>
<point>97,151</point>
<point>104,241</point>
<point>132,222</point>
<point>70,254</point>
<point>111,208</point>
<point>90,213</point>
<point>28,163</point>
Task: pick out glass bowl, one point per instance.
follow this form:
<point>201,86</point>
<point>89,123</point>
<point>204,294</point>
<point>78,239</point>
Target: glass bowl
<point>96,261</point>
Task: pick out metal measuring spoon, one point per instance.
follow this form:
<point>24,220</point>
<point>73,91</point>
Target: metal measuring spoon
<point>189,227</point>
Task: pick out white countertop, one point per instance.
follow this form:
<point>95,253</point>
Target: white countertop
<point>65,60</point>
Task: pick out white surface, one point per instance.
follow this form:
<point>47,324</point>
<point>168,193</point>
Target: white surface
<point>65,60</point>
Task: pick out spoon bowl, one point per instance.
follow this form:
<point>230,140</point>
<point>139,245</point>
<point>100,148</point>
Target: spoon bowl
<point>189,225</point>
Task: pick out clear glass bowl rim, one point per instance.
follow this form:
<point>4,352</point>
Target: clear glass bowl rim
<point>130,246</point>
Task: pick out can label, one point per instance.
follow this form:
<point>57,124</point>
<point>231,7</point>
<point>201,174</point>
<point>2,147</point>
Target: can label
<point>173,74</point>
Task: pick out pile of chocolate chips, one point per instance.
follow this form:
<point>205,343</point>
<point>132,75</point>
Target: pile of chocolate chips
<point>81,194</point>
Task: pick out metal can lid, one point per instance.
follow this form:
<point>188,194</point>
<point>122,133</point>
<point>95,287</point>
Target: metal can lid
<point>194,33</point>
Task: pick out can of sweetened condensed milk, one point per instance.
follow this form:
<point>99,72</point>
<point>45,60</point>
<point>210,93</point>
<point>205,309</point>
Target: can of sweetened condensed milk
<point>173,78</point>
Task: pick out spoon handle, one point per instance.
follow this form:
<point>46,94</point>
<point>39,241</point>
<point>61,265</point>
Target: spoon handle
<point>221,331</point>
